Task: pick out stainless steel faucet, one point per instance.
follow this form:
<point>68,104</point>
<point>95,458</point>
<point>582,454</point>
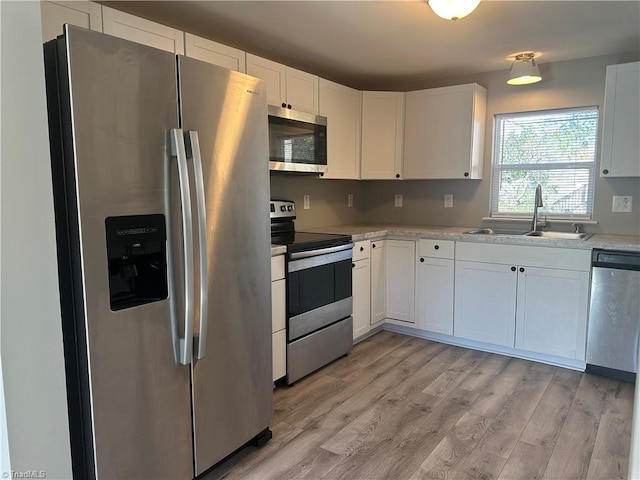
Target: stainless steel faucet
<point>537,203</point>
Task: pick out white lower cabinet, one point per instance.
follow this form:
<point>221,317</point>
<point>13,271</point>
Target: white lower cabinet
<point>401,256</point>
<point>434,286</point>
<point>361,272</point>
<point>378,282</point>
<point>485,302</point>
<point>529,298</point>
<point>552,311</point>
<point>278,317</point>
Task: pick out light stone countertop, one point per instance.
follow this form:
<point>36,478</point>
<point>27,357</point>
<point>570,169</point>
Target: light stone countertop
<point>377,231</point>
<point>278,250</point>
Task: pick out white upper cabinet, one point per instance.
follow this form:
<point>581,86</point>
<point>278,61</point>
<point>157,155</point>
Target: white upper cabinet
<point>382,135</point>
<point>79,13</point>
<point>140,30</point>
<point>286,86</point>
<point>341,105</point>
<point>215,53</point>
<point>620,139</point>
<point>444,132</point>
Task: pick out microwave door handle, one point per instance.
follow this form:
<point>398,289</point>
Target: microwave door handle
<point>193,149</point>
<point>183,346</point>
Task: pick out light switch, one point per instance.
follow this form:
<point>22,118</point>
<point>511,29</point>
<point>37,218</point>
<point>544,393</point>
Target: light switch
<point>306,202</point>
<point>398,202</point>
<point>622,204</point>
<point>448,200</point>
<point>350,200</point>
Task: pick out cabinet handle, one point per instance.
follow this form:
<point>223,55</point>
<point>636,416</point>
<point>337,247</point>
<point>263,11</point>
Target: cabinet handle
<point>513,269</point>
<point>373,245</point>
<point>437,247</point>
<point>362,249</point>
<point>521,269</point>
<point>422,260</point>
<point>605,171</point>
<point>353,265</point>
<point>289,106</point>
<point>466,174</point>
<point>284,105</point>
<point>397,175</point>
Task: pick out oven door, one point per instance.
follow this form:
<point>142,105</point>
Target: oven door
<point>318,289</point>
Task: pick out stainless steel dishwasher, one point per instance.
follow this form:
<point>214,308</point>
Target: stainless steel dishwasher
<point>614,315</point>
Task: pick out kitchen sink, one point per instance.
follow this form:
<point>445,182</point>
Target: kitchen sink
<point>536,234</point>
<point>491,231</point>
<point>559,235</point>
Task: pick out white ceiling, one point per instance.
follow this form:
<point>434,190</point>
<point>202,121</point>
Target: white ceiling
<point>389,44</point>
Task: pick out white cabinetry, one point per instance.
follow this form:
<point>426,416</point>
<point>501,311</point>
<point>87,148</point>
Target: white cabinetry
<point>341,105</point>
<point>278,317</point>
<point>530,298</point>
<point>140,30</point>
<point>620,139</point>
<point>552,311</point>
<point>378,282</point>
<point>361,288</point>
<point>215,53</point>
<point>78,13</point>
<point>434,286</point>
<point>444,132</point>
<point>401,256</point>
<point>286,86</point>
<point>382,135</point>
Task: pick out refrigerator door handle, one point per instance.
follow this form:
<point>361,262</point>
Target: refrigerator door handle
<point>193,151</point>
<point>183,346</point>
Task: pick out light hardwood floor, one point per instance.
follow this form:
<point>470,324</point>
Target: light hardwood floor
<point>400,407</point>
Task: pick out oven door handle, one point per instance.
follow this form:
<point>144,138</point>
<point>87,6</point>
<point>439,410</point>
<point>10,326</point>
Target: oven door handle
<point>320,251</point>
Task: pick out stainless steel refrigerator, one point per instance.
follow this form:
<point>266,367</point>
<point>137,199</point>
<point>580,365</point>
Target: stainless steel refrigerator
<point>158,163</point>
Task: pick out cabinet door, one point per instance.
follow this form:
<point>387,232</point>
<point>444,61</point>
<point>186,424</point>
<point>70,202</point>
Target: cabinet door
<point>79,13</point>
<point>444,132</point>
<point>215,53</point>
<point>141,30</point>
<point>271,72</point>
<point>341,106</point>
<point>485,302</point>
<point>434,295</point>
<point>378,281</point>
<point>401,256</point>
<point>382,135</point>
<point>361,297</point>
<point>552,311</point>
<point>620,141</point>
<point>302,91</point>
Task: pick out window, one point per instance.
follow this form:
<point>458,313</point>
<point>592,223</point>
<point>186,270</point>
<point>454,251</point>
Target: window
<point>555,148</point>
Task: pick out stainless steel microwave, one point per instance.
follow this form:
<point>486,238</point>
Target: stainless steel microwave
<point>297,141</point>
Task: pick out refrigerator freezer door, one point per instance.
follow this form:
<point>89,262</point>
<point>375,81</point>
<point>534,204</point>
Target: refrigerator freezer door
<point>232,384</point>
<point>123,101</point>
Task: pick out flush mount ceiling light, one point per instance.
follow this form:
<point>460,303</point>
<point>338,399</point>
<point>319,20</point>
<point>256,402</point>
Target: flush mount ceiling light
<point>453,9</point>
<point>524,70</point>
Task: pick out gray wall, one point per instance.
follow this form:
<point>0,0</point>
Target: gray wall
<point>328,199</point>
<point>565,84</point>
<point>31,342</point>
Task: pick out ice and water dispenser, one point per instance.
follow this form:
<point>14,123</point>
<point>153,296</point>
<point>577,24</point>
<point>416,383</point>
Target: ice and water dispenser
<point>136,249</point>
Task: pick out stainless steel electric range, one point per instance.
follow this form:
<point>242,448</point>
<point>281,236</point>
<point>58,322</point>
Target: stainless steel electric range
<point>319,289</point>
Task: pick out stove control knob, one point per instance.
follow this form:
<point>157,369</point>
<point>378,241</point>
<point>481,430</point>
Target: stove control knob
<point>289,208</point>
<point>283,208</point>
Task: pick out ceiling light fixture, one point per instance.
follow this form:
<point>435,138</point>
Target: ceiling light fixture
<point>524,70</point>
<point>453,9</point>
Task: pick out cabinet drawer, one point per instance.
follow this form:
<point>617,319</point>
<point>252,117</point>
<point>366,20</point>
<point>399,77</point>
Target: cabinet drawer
<point>278,305</point>
<point>277,267</point>
<point>361,250</point>
<point>436,248</point>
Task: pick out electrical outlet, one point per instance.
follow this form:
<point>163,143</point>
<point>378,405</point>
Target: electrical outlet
<point>306,202</point>
<point>350,200</point>
<point>398,202</point>
<point>622,203</point>
<point>448,200</point>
